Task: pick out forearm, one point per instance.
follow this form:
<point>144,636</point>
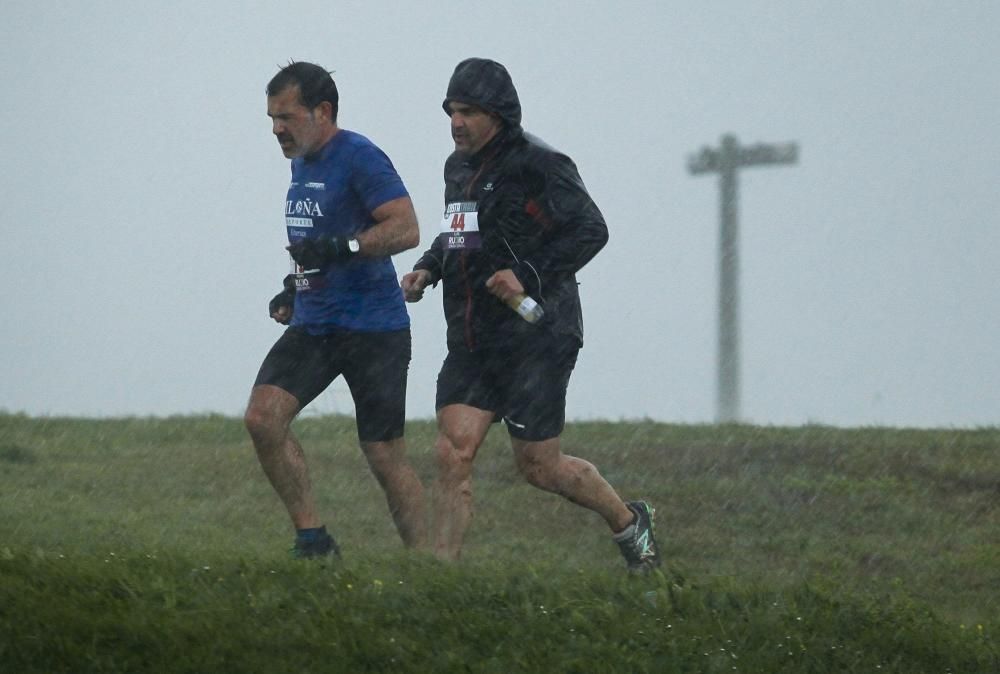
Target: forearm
<point>432,261</point>
<point>571,246</point>
<point>388,238</point>
<point>394,231</point>
<point>571,249</point>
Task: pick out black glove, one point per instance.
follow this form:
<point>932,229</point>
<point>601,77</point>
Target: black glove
<point>314,253</point>
<point>286,298</point>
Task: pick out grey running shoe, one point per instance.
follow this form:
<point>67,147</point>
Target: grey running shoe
<point>323,546</point>
<point>639,548</point>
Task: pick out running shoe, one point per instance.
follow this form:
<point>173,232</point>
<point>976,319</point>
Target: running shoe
<point>639,546</point>
<point>322,546</point>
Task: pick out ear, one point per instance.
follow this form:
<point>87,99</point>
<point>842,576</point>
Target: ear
<point>325,110</point>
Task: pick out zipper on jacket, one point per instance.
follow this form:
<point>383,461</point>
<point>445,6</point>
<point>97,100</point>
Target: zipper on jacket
<point>470,338</point>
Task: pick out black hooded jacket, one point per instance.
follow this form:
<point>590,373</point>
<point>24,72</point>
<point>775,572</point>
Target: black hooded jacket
<point>535,217</point>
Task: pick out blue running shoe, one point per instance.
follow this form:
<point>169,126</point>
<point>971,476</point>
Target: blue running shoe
<point>321,546</point>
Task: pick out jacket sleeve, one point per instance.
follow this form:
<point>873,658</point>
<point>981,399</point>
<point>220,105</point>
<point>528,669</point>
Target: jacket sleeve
<point>432,261</point>
<point>574,230</point>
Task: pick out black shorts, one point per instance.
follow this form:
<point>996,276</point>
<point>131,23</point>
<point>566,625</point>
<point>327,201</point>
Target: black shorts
<point>374,365</point>
<point>524,384</point>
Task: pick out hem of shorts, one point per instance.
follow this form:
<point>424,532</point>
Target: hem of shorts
<point>321,329</point>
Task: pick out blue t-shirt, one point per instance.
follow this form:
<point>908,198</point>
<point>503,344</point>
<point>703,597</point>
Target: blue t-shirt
<point>333,194</point>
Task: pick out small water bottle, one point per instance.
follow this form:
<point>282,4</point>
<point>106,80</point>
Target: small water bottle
<point>529,309</point>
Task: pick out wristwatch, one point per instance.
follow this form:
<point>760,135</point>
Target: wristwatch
<point>354,246</point>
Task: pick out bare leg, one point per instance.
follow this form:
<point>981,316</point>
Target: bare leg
<point>461,430</point>
<point>402,489</point>
<point>268,419</point>
<point>544,465</point>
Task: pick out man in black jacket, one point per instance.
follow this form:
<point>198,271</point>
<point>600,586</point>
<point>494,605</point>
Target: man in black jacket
<point>518,225</point>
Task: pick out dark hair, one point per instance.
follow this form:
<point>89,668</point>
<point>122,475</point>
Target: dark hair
<point>315,84</point>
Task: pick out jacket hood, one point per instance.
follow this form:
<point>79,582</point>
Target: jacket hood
<point>485,84</point>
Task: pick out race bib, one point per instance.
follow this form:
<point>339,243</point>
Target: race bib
<point>460,226</point>
<point>306,281</point>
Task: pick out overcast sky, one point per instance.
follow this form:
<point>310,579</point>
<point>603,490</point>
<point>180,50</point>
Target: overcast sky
<point>142,191</point>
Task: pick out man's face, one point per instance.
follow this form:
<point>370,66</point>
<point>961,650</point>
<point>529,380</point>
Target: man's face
<point>472,127</point>
<point>300,131</point>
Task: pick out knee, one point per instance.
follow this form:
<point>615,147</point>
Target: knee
<point>384,458</point>
<point>454,456</point>
<point>254,421</point>
<point>263,427</point>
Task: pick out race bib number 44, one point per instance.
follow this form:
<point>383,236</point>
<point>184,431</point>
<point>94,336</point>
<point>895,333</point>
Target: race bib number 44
<point>460,226</point>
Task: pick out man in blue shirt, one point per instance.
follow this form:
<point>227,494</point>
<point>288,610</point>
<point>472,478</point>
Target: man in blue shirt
<point>346,213</point>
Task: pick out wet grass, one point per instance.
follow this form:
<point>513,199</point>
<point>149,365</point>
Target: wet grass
<point>157,545</point>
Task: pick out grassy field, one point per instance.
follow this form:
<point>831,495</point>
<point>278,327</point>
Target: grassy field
<point>137,545</point>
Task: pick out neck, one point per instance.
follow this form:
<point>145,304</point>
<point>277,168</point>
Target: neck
<point>324,139</point>
<point>333,131</point>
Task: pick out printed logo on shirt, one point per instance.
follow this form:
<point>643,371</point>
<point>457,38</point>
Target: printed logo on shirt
<point>460,226</point>
<point>303,207</point>
<point>316,186</point>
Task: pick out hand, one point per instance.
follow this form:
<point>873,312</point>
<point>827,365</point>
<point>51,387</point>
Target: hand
<point>504,284</point>
<point>281,305</point>
<point>314,253</point>
<point>413,284</point>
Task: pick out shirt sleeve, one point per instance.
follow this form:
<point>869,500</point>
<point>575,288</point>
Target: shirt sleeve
<point>374,178</point>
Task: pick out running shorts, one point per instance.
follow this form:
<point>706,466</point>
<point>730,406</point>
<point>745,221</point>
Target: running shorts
<point>374,365</point>
<point>522,383</point>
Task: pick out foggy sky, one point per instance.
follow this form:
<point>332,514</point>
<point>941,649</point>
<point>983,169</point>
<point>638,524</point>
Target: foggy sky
<point>142,192</point>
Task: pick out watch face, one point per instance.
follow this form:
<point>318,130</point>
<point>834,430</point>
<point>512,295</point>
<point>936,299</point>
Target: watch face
<point>353,245</point>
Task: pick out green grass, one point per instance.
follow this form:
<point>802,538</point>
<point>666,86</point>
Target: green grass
<point>136,545</point>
